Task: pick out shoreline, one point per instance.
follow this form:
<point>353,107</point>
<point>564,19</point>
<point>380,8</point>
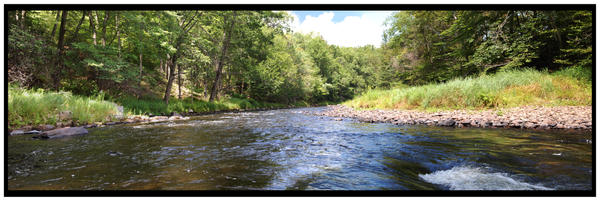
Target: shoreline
<point>524,117</point>
<point>142,119</point>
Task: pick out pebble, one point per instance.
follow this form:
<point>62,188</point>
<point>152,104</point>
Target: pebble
<point>525,117</point>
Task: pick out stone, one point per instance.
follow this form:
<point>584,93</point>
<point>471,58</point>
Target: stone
<point>64,115</point>
<point>47,127</point>
<point>90,126</point>
<point>63,132</point>
<point>33,132</point>
<point>175,114</point>
<point>529,125</point>
<point>447,122</point>
<point>520,117</point>
<point>118,116</point>
<point>543,126</point>
<point>17,132</point>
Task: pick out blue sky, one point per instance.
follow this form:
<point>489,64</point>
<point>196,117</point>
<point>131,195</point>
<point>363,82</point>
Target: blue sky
<point>343,28</point>
<point>338,17</point>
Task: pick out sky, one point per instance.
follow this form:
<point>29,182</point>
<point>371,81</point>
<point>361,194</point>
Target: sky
<point>343,28</point>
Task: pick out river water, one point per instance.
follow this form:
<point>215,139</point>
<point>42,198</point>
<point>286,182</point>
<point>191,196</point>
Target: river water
<point>289,149</point>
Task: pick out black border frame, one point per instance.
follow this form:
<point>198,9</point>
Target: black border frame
<point>287,193</point>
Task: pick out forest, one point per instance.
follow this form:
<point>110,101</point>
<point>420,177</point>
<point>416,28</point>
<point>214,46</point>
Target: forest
<point>157,62</point>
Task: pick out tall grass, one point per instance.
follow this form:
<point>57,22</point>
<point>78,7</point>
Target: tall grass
<point>38,107</point>
<point>504,89</point>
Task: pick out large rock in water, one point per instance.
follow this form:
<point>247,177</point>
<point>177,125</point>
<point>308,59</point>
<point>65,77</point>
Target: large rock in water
<point>63,132</point>
<point>447,122</point>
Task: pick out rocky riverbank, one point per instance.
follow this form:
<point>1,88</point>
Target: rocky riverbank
<point>43,131</point>
<point>528,117</point>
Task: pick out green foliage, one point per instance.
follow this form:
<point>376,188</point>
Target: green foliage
<point>579,34</point>
<point>38,107</point>
<point>158,107</point>
<point>28,56</point>
<point>437,46</point>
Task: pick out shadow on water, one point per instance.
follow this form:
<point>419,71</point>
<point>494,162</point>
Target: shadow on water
<point>288,149</point>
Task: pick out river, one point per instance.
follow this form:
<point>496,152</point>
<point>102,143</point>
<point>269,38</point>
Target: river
<point>291,149</point>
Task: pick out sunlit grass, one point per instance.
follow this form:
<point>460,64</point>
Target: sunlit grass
<point>504,89</point>
<point>38,107</point>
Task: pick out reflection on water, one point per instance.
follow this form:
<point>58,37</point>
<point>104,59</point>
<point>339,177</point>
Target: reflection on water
<point>286,149</point>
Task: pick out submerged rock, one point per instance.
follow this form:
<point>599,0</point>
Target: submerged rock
<point>114,153</point>
<point>63,132</point>
<point>17,132</point>
<point>447,122</point>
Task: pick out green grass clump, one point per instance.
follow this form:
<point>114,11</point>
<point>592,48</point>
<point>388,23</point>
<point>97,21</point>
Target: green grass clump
<point>504,89</point>
<point>38,107</point>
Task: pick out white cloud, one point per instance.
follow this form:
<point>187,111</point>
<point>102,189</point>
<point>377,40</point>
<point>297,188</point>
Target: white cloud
<point>353,31</point>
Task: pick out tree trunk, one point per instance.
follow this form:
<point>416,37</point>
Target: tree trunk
<point>55,23</point>
<point>161,66</point>
<point>171,78</point>
<point>179,79</point>
<point>185,27</point>
<point>23,15</point>
<point>60,46</point>
<point>204,85</point>
<point>76,33</point>
<point>141,69</point>
<point>119,42</point>
<point>227,38</point>
<point>242,87</point>
<point>167,67</point>
<point>92,25</point>
<point>106,14</point>
<point>557,33</point>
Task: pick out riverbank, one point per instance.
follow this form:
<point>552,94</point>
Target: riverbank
<point>38,110</point>
<point>140,119</point>
<point>507,89</point>
<point>527,117</point>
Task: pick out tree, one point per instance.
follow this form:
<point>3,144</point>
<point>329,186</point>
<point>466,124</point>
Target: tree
<point>227,32</point>
<point>61,52</point>
<point>185,21</point>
